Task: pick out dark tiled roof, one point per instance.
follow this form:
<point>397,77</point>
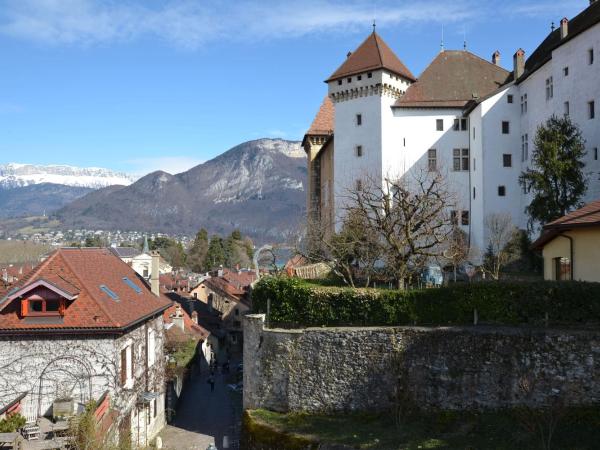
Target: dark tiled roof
<point>86,270</point>
<point>577,25</point>
<point>453,79</point>
<point>372,54</point>
<point>324,120</point>
<point>125,252</point>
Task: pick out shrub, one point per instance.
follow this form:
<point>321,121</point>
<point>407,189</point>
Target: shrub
<point>294,304</point>
<point>12,423</point>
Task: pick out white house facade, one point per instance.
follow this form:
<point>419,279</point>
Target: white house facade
<point>465,116</point>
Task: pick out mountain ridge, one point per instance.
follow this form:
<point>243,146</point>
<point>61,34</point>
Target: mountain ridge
<point>257,186</point>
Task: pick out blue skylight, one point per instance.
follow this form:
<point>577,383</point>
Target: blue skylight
<point>108,292</point>
<point>132,285</point>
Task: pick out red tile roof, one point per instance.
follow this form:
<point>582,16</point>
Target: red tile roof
<point>585,216</point>
<point>324,121</point>
<point>190,326</point>
<point>85,270</point>
<point>372,54</point>
<point>452,80</point>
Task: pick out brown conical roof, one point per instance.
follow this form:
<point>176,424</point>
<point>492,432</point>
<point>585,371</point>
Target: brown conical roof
<point>372,54</point>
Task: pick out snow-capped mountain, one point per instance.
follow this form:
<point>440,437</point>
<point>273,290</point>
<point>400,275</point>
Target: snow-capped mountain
<point>13,175</point>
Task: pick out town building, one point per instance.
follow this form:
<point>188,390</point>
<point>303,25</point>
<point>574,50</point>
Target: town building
<point>571,245</point>
<point>83,326</point>
<point>465,117</point>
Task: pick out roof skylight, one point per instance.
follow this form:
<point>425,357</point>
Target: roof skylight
<point>108,292</point>
<point>132,285</point>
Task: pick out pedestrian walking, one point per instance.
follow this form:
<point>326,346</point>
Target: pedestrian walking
<point>211,381</point>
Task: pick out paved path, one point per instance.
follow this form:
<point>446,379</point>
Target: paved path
<point>204,417</point>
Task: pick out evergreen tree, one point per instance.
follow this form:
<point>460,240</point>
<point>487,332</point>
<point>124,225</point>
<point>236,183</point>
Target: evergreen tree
<point>215,255</point>
<point>196,259</point>
<point>236,251</point>
<point>556,178</point>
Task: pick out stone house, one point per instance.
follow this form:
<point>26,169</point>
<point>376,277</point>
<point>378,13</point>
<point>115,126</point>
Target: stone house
<point>84,326</point>
<point>571,245</point>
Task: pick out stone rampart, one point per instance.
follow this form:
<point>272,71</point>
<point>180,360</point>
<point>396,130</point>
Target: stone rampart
<point>448,368</point>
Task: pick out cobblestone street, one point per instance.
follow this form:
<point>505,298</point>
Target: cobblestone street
<point>205,417</point>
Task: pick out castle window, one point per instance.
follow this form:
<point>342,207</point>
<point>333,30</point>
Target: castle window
<point>464,217</point>
<point>507,160</point>
<point>591,56</point>
<point>359,77</point>
<point>473,193</point>
<point>359,151</point>
<point>566,71</point>
<point>359,119</point>
<point>463,124</point>
<point>596,154</point>
<point>509,98</point>
<point>505,127</point>
<point>549,88</point>
<point>456,126</point>
<point>523,103</point>
<point>591,109</point>
<point>349,80</point>
<point>432,159</point>
<point>369,75</point>
<point>439,124</point>
<point>460,159</point>
<point>359,185</point>
<point>339,82</point>
<point>566,108</point>
<point>501,191</point>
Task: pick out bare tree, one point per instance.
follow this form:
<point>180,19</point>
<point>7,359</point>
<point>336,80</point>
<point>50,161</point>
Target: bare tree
<point>500,231</point>
<point>457,251</point>
<point>409,217</point>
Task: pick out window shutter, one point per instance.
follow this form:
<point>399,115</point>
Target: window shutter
<point>24,305</point>
<point>123,366</point>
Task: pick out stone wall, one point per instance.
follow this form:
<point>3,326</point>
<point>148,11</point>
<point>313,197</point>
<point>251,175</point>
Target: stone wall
<point>370,369</point>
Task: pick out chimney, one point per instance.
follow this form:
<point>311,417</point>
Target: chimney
<point>496,58</point>
<point>564,27</point>
<point>195,317</point>
<point>178,318</point>
<point>154,278</point>
<point>519,63</point>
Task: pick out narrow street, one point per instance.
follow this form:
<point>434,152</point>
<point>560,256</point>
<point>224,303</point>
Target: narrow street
<point>205,417</point>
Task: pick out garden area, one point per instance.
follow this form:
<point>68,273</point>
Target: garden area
<point>576,429</point>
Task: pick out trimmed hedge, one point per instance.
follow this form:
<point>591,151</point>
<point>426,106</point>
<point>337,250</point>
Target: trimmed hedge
<point>296,305</point>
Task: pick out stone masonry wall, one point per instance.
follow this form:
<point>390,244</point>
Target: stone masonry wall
<point>369,369</point>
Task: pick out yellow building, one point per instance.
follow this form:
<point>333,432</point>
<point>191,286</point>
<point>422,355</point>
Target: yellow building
<point>571,245</point>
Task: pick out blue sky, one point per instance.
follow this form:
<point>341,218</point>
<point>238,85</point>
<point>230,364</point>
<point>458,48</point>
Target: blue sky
<point>148,84</point>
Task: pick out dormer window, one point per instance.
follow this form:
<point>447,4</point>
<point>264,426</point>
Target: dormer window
<point>37,306</point>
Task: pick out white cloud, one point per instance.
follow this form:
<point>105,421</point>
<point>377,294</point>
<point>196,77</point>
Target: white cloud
<point>169,164</point>
<point>191,24</point>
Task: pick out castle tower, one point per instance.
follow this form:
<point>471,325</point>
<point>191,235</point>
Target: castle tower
<point>363,90</point>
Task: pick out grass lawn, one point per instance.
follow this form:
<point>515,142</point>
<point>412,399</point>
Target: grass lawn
<point>580,430</point>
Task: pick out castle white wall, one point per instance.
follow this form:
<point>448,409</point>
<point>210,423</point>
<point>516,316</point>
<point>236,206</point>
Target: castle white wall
<point>495,144</point>
<point>578,88</point>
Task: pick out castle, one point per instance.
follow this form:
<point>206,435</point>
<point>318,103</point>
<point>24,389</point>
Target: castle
<point>464,115</point>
